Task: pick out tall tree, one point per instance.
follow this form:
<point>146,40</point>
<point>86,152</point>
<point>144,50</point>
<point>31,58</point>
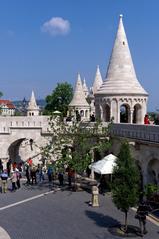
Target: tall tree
<point>59,99</point>
<point>125,184</point>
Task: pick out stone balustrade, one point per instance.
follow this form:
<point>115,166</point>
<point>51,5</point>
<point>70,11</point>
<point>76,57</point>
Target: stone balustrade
<point>147,133</point>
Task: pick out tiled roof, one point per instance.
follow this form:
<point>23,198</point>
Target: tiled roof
<point>8,103</point>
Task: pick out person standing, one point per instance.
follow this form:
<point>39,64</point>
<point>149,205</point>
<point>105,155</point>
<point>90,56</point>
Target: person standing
<point>60,178</point>
<point>13,180</point>
<point>18,174</point>
<point>33,174</point>
<point>9,167</point>
<point>146,119</point>
<point>41,173</point>
<point>4,178</point>
<point>27,173</point>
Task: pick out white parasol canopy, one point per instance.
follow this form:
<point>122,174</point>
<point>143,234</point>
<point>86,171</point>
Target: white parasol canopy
<point>105,165</point>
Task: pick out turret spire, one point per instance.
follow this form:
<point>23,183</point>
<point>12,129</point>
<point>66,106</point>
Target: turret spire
<point>32,109</point>
<point>79,96</point>
<point>97,81</point>
<point>121,76</point>
<point>85,88</point>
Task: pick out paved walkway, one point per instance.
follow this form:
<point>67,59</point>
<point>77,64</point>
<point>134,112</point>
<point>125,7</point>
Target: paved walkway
<point>38,212</point>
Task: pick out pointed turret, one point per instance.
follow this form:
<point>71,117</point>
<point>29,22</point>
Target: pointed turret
<point>97,81</point>
<point>79,96</point>
<point>33,109</point>
<point>79,107</point>
<point>85,88</point>
<point>121,77</point>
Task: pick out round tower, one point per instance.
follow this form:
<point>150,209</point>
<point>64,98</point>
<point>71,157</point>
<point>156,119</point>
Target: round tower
<point>121,98</point>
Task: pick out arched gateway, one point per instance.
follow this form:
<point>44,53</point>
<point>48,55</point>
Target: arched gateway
<point>23,137</point>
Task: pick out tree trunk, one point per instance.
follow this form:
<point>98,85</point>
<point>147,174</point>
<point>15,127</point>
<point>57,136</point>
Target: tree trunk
<point>126,221</point>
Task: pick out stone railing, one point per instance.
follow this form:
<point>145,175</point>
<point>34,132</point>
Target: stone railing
<point>19,122</point>
<point>147,133</point>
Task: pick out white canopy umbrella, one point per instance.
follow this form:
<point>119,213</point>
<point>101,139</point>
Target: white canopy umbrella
<point>56,112</point>
<point>105,165</point>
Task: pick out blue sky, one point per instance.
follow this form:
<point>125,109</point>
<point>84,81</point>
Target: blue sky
<point>43,42</point>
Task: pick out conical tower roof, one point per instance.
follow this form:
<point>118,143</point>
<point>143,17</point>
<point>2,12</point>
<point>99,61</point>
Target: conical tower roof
<point>121,77</point>
<point>32,103</point>
<point>97,81</point>
<point>85,88</point>
<point>79,96</point>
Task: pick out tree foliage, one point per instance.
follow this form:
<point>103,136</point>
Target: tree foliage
<point>125,185</point>
<point>59,99</point>
<point>72,144</point>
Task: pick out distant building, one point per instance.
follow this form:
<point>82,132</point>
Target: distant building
<point>7,108</point>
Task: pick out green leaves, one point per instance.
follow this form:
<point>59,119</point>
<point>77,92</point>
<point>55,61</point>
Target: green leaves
<point>74,144</point>
<point>59,99</point>
<point>125,185</point>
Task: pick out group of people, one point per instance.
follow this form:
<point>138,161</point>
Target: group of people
<point>14,176</point>
<point>31,172</point>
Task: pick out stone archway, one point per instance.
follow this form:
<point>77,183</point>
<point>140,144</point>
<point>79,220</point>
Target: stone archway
<point>22,149</point>
<point>124,113</point>
<point>13,151</point>
<point>138,164</point>
<point>137,114</point>
<point>153,171</point>
<point>106,113</point>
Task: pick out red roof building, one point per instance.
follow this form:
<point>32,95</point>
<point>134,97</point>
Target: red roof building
<point>7,108</point>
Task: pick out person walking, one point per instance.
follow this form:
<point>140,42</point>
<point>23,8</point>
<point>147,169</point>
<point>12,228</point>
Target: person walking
<point>142,211</point>
<point>4,178</point>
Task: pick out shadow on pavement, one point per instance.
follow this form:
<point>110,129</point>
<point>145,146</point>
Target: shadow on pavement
<point>102,220</point>
<point>113,225</point>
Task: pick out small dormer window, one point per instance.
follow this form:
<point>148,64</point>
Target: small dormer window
<point>123,42</point>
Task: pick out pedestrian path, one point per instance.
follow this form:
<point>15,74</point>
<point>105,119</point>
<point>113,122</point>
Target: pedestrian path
<point>4,234</point>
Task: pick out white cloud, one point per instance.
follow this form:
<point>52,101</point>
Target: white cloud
<point>56,26</point>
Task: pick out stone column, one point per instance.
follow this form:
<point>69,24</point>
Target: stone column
<point>118,113</point>
<point>101,113</point>
<point>131,115</point>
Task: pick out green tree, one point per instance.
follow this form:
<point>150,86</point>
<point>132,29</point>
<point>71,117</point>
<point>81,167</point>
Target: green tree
<point>125,184</point>
<point>73,144</point>
<point>59,99</point>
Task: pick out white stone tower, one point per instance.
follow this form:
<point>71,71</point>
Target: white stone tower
<point>85,88</point>
<point>96,85</point>
<point>33,108</point>
<point>121,97</point>
<point>97,81</point>
<point>79,105</point>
